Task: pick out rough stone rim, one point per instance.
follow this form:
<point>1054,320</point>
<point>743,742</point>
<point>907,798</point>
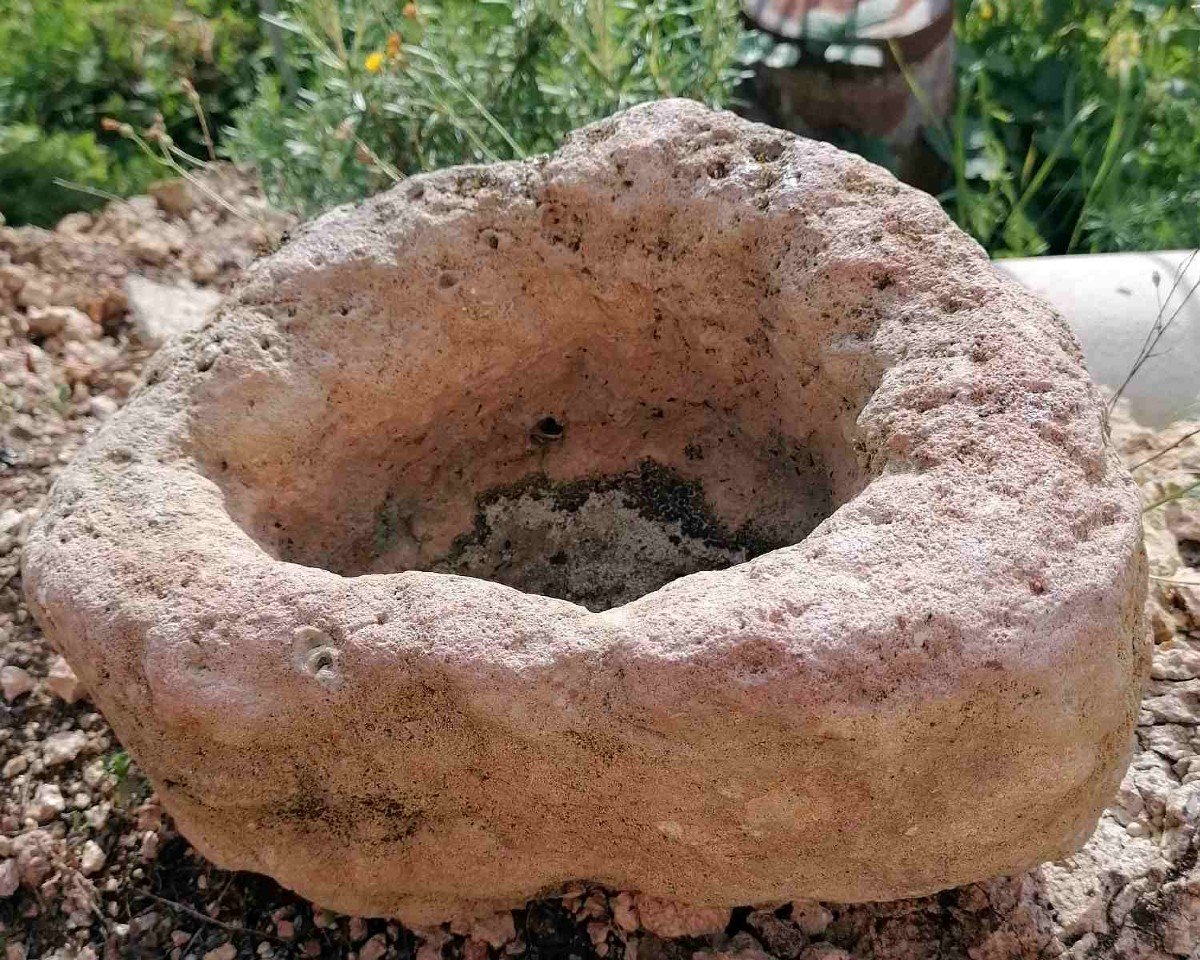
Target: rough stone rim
<point>909,453</point>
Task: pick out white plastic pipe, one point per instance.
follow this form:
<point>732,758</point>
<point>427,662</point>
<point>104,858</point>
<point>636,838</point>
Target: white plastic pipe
<point>1112,302</point>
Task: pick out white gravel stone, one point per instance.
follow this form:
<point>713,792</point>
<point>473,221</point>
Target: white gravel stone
<point>373,949</point>
<point>623,912</point>
<point>93,773</point>
<point>97,815</point>
<point>47,803</point>
<point>10,878</point>
<point>15,682</point>
<point>60,748</point>
<point>102,406</point>
<point>161,311</point>
<point>63,682</point>
<point>813,918</point>
<point>91,858</point>
<point>496,930</point>
<point>1178,705</point>
<point>1170,740</point>
<point>1178,662</point>
<point>10,521</point>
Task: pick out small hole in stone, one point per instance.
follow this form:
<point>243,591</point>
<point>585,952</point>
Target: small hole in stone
<point>447,280</point>
<point>766,151</point>
<point>547,430</point>
<point>321,660</point>
<point>1189,552</point>
<point>718,169</point>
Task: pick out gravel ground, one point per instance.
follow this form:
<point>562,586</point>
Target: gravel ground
<point>90,866</point>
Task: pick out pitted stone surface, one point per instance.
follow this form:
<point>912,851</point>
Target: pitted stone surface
<point>919,667</point>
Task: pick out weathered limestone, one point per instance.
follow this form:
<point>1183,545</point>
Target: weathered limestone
<point>682,343</point>
<point>159,311</point>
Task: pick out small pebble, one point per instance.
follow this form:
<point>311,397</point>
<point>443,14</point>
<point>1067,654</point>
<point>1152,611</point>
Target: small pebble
<point>91,859</point>
<point>226,951</point>
<point>61,748</point>
<point>15,682</point>
<point>47,803</point>
<point>62,681</point>
<point>373,949</point>
<point>102,406</point>
<point>10,878</point>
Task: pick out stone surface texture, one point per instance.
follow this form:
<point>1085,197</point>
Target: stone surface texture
<point>160,311</point>
<point>920,667</point>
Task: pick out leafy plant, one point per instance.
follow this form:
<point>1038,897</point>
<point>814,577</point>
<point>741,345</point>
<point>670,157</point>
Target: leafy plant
<point>389,90</point>
<point>1074,128</point>
<point>118,763</point>
<point>31,161</point>
<point>131,786</point>
<point>66,65</point>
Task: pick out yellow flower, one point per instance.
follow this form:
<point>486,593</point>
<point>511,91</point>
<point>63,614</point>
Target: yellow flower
<point>988,10</point>
<point>393,46</point>
<point>374,62</point>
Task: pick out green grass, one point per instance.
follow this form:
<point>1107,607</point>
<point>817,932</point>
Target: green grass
<point>1075,125</point>
<point>65,65</point>
<point>1074,128</point>
<point>387,92</point>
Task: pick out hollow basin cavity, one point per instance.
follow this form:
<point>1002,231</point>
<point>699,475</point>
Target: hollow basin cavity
<point>285,570</point>
<point>585,400</point>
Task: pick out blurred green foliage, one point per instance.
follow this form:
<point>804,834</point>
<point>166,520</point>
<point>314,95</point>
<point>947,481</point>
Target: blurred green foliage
<point>32,159</point>
<point>390,89</point>
<point>1076,125</point>
<point>67,64</point>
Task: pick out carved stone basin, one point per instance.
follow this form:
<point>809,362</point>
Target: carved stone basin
<point>695,511</point>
